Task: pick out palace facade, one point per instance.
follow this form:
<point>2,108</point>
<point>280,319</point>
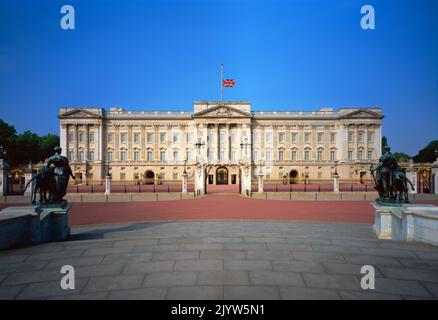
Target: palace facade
<point>155,146</point>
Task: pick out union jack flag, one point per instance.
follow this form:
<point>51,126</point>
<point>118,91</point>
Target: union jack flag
<point>229,83</point>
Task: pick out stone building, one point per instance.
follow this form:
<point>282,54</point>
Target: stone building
<point>157,146</point>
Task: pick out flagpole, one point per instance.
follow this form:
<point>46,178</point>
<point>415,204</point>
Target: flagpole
<point>222,82</point>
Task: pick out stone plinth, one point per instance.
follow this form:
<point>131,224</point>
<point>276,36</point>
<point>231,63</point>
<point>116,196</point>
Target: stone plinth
<point>184,183</point>
<point>200,180</point>
<point>4,170</point>
<point>335,183</point>
<point>108,185</point>
<point>31,225</point>
<point>245,182</point>
<point>260,178</point>
<point>407,222</point>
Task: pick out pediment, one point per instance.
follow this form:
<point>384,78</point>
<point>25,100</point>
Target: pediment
<point>79,113</point>
<point>221,111</point>
<point>363,113</point>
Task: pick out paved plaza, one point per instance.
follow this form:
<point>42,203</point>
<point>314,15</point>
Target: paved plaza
<point>221,260</point>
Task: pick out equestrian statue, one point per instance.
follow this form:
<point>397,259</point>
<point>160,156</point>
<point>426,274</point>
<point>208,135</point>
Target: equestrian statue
<point>52,178</point>
<point>390,181</point>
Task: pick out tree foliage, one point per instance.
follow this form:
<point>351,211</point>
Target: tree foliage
<point>427,154</point>
<point>27,146</point>
<point>401,156</point>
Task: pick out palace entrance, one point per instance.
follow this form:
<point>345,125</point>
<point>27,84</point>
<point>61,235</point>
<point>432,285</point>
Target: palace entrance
<point>222,175</point>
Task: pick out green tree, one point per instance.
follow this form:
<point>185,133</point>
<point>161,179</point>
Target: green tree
<point>401,157</point>
<point>7,134</point>
<point>427,154</point>
<point>47,144</point>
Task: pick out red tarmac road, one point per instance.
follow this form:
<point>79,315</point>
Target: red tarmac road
<point>223,207</point>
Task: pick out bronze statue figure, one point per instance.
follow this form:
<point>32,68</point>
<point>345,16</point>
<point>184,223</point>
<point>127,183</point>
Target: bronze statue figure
<point>390,181</point>
<point>53,178</point>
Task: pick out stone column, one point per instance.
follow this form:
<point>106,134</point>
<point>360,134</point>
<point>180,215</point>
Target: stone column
<point>336,182</point>
<point>108,185</point>
<point>184,182</point>
<point>28,175</point>
<point>63,138</point>
<point>411,174</point>
<point>435,173</point>
<point>260,176</point>
<point>200,180</point>
<point>101,142</point>
<point>116,142</point>
<point>76,144</point>
<point>87,143</point>
<point>129,155</point>
<point>143,142</point>
<point>4,170</point>
<point>156,156</point>
<point>218,133</point>
<point>246,179</point>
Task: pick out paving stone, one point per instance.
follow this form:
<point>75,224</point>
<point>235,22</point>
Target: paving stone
<point>317,256</point>
<point>139,294</point>
<point>367,295</point>
<point>86,296</point>
<point>427,255</point>
<point>338,249</point>
<point>55,255</point>
<point>251,293</point>
<point>201,246</point>
<point>199,265</point>
<point>418,263</point>
<point>372,260</point>
<point>222,254</point>
<point>410,274</point>
<point>109,283</point>
<point>98,270</point>
<point>389,252</point>
<point>357,243</point>
<point>264,240</point>
<point>127,257</point>
<point>195,293</point>
<point>181,240</point>
<point>276,278</point>
<point>300,293</point>
<point>346,268</point>
<point>432,287</point>
<point>244,246</point>
<point>75,262</point>
<point>298,266</point>
<point>330,281</point>
<point>222,240</point>
<point>13,258</point>
<point>269,255</point>
<point>135,243</point>
<point>23,266</point>
<point>106,251</point>
<point>176,255</point>
<point>289,247</point>
<point>156,248</point>
<point>225,277</point>
<point>32,276</point>
<point>10,292</point>
<point>49,289</point>
<point>402,287</point>
<point>78,245</point>
<point>247,265</point>
<point>148,267</point>
<point>170,279</point>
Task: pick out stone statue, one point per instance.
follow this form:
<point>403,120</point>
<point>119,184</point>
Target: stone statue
<point>390,181</point>
<point>53,178</point>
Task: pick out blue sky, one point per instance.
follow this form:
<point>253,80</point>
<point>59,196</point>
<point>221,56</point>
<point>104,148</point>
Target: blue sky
<point>299,55</point>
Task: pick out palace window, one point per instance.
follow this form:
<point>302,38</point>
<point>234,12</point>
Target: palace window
<point>110,137</point>
<point>307,155</point>
<point>360,154</point>
<point>350,155</point>
<point>332,155</point>
<point>175,155</point>
<point>268,155</point>
<point>71,155</point>
<point>369,137</point>
<point>123,136</point>
<point>222,137</point>
<point>332,137</point>
<point>136,137</point>
<point>319,155</point>
<point>350,137</point>
<point>255,137</point>
<point>189,155</point>
<point>91,155</point>
<point>175,176</point>
<point>307,137</point>
<point>293,137</point>
<point>91,137</point>
<point>268,138</point>
<point>370,155</point>
<point>360,137</point>
<point>320,136</point>
<point>162,137</point>
<point>162,155</point>
<point>71,137</point>
<point>136,156</point>
<point>254,155</point>
<point>293,155</point>
<point>81,137</point>
<point>189,137</point>
<point>281,137</point>
<point>222,155</point>
<point>122,176</point>
<point>149,155</point>
<point>110,156</point>
<point>81,155</point>
<point>175,137</point>
<point>281,155</point>
<point>150,137</point>
<point>123,155</point>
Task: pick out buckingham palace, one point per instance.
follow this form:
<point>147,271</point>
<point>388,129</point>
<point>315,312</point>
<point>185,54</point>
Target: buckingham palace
<point>153,146</point>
